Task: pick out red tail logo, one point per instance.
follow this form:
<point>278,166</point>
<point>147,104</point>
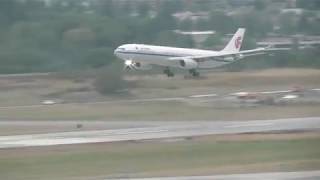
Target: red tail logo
<point>237,43</point>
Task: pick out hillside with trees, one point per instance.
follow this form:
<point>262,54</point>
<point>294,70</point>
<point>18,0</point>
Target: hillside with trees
<point>62,35</point>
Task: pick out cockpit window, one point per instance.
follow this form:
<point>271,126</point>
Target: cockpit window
<point>122,49</point>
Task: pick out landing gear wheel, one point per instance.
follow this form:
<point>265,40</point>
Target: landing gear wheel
<point>194,73</point>
<point>168,72</point>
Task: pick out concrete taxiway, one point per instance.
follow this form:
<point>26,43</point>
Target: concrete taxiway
<point>157,130</point>
<point>303,175</point>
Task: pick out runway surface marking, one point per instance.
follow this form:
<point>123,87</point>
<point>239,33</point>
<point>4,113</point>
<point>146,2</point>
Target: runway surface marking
<point>203,95</point>
<point>302,175</point>
<point>160,130</point>
<point>249,124</point>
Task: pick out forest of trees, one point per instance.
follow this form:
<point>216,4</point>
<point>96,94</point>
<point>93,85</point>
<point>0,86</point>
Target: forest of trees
<point>70,34</point>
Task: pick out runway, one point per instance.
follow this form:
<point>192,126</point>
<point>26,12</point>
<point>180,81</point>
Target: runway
<point>303,175</point>
<point>155,130</point>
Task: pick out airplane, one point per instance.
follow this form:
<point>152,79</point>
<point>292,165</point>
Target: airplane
<point>144,57</point>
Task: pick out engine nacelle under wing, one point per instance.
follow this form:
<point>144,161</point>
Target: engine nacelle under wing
<point>188,64</point>
<point>233,58</point>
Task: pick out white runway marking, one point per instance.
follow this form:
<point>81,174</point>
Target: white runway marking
<point>275,92</point>
<point>300,175</point>
<point>141,132</point>
<point>249,125</point>
<point>203,95</point>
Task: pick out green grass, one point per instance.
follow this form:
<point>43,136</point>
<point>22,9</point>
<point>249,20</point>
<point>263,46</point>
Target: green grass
<point>33,90</point>
<point>160,159</point>
<point>171,110</point>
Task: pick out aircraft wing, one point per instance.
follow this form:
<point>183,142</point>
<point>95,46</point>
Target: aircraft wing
<point>260,51</point>
<point>238,55</point>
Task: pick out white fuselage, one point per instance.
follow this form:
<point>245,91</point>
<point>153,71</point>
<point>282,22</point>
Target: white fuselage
<point>160,55</point>
<point>141,56</point>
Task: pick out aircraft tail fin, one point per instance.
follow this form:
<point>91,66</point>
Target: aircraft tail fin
<point>235,43</point>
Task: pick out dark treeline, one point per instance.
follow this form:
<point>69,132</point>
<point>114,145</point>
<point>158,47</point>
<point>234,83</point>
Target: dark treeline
<point>59,35</point>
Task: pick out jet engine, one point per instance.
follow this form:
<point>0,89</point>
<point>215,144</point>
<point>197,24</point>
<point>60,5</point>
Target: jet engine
<point>229,58</point>
<point>239,56</point>
<point>234,57</point>
<point>131,65</point>
<point>188,64</point>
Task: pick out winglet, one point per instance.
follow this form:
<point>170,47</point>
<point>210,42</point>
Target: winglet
<point>235,43</point>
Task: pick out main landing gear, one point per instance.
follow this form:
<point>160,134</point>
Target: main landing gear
<point>194,73</point>
<point>168,72</point>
